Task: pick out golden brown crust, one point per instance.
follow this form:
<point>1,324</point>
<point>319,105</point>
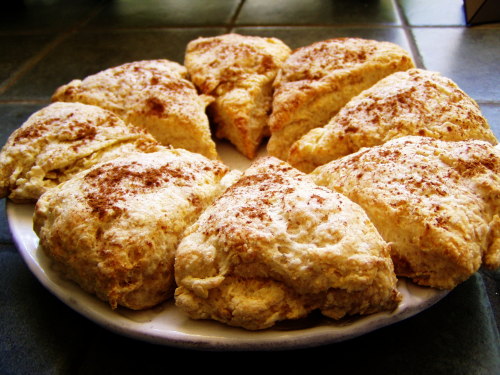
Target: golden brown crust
<point>238,72</point>
<point>60,140</point>
<point>275,246</point>
<point>317,80</point>
<point>114,228</point>
<point>153,94</point>
<point>413,102</point>
<point>436,202</point>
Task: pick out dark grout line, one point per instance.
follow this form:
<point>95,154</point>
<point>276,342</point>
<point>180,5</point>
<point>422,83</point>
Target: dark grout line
<point>409,35</point>
<point>327,25</point>
<point>232,22</point>
<point>32,62</point>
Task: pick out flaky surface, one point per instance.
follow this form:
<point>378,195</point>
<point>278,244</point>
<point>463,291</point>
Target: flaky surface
<point>275,246</point>
<point>413,102</point>
<point>319,79</point>
<point>436,202</point>
<point>153,94</point>
<point>238,72</point>
<point>60,140</point>
<point>114,228</point>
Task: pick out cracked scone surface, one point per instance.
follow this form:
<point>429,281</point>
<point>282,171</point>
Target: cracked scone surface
<point>276,246</point>
<point>238,72</point>
<point>114,228</point>
<point>60,140</point>
<point>413,102</point>
<point>437,203</point>
<point>319,79</point>
<point>153,94</point>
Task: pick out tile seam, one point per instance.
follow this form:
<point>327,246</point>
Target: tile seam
<point>234,18</point>
<point>407,29</point>
<point>30,63</point>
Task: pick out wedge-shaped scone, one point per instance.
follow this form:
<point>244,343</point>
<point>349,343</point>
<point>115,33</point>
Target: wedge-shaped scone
<point>319,79</point>
<point>238,71</point>
<point>153,94</point>
<point>437,203</point>
<point>276,246</point>
<point>60,140</point>
<point>114,228</point>
<point>413,102</point>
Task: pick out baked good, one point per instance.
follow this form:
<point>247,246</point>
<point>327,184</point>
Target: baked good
<point>114,228</point>
<point>276,246</point>
<point>238,72</point>
<point>412,102</point>
<point>153,94</point>
<point>60,140</point>
<point>436,202</point>
<point>319,79</point>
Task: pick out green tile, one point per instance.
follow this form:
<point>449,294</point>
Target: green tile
<point>15,50</point>
<point>39,334</point>
<point>38,15</point>
<point>157,13</point>
<point>87,53</point>
<point>433,13</point>
<point>469,56</point>
<point>492,114</point>
<point>303,12</point>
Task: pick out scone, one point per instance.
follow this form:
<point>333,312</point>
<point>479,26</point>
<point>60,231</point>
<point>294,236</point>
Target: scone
<point>413,102</point>
<point>319,79</point>
<point>238,72</point>
<point>276,246</point>
<point>60,140</point>
<point>436,202</point>
<point>114,228</point>
<point>153,94</point>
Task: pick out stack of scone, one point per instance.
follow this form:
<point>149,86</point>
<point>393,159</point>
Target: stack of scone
<point>376,171</point>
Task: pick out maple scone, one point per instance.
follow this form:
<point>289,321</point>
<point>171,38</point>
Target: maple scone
<point>275,246</point>
<point>413,102</point>
<point>60,140</point>
<point>238,71</point>
<point>436,202</point>
<point>319,79</point>
<point>153,94</point>
<point>114,228</point>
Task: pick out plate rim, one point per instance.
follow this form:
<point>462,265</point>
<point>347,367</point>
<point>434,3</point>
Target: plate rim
<point>255,340</point>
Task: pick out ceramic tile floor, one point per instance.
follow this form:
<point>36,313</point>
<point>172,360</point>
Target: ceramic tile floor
<point>46,43</point>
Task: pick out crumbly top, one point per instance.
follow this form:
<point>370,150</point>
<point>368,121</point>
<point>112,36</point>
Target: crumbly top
<point>322,59</point>
<point>114,228</point>
<point>417,101</point>
<point>276,223</point>
<point>56,138</point>
<point>411,102</point>
<point>231,58</point>
<point>428,195</point>
<point>148,87</point>
<point>108,186</point>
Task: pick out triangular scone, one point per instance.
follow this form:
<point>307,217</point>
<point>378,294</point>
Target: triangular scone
<point>276,246</point>
<point>238,71</point>
<point>153,94</point>
<point>437,203</point>
<point>319,79</point>
<point>413,102</point>
<point>114,228</point>
<point>60,140</point>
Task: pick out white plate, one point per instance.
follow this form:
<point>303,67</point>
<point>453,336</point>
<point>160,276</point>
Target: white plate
<point>169,326</point>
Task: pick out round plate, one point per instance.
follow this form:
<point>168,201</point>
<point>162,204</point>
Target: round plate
<point>167,325</point>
